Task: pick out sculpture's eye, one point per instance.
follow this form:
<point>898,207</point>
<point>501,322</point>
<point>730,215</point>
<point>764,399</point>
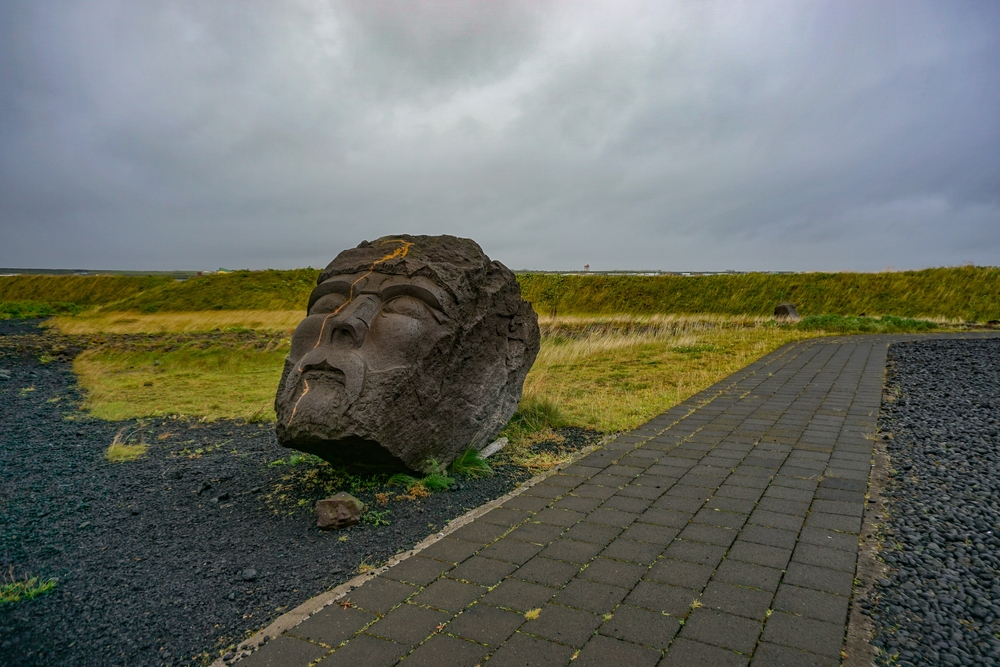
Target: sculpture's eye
<point>407,305</point>
<point>328,303</point>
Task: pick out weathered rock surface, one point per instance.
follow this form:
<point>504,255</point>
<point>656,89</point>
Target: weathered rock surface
<point>413,349</point>
<point>338,511</point>
<point>787,311</point>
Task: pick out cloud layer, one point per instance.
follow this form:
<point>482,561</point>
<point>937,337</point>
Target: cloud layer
<point>662,135</point>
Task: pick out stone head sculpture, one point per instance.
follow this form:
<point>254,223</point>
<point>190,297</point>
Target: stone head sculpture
<point>413,349</point>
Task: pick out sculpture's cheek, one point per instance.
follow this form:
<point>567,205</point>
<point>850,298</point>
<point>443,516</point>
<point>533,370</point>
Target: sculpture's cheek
<point>306,336</point>
<point>398,340</point>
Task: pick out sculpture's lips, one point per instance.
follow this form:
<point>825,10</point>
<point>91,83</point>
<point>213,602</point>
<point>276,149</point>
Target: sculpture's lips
<point>332,368</point>
<point>332,376</point>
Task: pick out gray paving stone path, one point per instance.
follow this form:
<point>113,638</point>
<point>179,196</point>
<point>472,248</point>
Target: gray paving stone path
<point>723,533</point>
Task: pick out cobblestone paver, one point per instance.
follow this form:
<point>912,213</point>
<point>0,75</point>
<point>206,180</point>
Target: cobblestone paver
<point>722,533</point>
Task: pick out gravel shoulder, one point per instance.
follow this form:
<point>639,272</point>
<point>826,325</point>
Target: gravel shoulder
<point>168,559</point>
<point>938,602</point>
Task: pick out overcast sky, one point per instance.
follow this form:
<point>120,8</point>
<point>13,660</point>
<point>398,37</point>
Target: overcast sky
<point>662,135</point>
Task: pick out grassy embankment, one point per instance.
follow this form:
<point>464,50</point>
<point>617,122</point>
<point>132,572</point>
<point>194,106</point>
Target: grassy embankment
<point>43,296</point>
<point>610,360</point>
<point>958,294</point>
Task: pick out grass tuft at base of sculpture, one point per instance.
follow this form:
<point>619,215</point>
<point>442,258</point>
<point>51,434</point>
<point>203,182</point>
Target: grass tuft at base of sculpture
<point>413,349</point>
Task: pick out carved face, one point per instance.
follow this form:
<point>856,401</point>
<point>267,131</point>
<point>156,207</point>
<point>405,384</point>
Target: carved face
<point>413,349</point>
<point>360,325</point>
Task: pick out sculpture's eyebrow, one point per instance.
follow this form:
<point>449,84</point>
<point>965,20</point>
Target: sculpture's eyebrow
<point>335,286</point>
<point>416,291</point>
<point>329,287</point>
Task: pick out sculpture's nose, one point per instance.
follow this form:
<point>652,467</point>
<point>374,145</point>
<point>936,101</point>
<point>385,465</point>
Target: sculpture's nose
<point>349,327</point>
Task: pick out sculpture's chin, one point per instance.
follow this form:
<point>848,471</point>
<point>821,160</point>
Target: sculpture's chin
<point>318,414</point>
<point>318,402</point>
<point>323,390</point>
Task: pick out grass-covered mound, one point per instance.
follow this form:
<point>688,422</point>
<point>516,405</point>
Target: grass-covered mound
<point>962,293</point>
<point>78,290</point>
<point>29,310</point>
<point>966,293</point>
<point>239,290</point>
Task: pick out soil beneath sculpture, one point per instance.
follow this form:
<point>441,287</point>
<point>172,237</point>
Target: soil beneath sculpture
<point>169,559</point>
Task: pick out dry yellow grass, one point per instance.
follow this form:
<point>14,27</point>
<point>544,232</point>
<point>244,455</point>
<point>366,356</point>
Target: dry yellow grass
<point>606,373</point>
<point>126,446</point>
<point>177,322</point>
<point>212,383</point>
<point>613,374</point>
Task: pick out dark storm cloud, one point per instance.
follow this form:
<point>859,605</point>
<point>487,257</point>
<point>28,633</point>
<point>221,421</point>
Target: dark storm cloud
<point>626,135</point>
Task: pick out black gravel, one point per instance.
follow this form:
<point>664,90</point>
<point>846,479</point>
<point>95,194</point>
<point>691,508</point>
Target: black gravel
<point>169,559</point>
<point>940,602</point>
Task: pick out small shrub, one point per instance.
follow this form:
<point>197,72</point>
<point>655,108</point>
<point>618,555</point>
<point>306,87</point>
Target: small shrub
<point>469,464</point>
<point>376,518</point>
<point>13,590</point>
<point>416,491</point>
<point>127,445</point>
<point>260,416</point>
<point>402,479</point>
<point>537,414</point>
<point>437,482</point>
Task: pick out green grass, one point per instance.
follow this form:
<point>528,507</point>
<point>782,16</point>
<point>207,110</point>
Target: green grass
<point>536,414</point>
<point>79,290</point>
<point>625,374</point>
<point>199,378</point>
<point>376,518</point>
<point>469,464</point>
<point>960,293</point>
<point>240,290</point>
<point>965,293</point>
<point>24,310</point>
<point>884,324</point>
<point>29,588</point>
<point>127,445</point>
<point>436,481</point>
